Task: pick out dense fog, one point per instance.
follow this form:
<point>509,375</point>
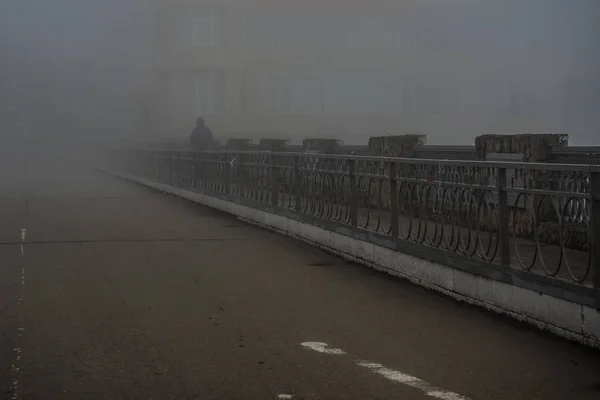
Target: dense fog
<point>71,68</point>
<point>82,69</point>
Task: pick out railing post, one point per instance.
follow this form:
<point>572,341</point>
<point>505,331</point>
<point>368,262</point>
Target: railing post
<point>165,168</point>
<point>393,175</point>
<point>155,166</point>
<point>503,215</point>
<point>274,182</point>
<point>353,193</point>
<point>595,226</point>
<point>177,170</point>
<point>227,173</point>
<point>297,184</point>
<point>171,169</point>
<point>192,170</point>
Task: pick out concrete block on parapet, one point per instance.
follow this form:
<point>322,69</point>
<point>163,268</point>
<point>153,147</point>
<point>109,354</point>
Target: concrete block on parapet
<point>534,147</point>
<point>591,323</point>
<point>309,233</point>
<point>321,145</point>
<point>238,143</point>
<point>396,145</point>
<point>419,271</point>
<point>359,250</point>
<point>277,222</point>
<point>269,144</point>
<point>525,304</point>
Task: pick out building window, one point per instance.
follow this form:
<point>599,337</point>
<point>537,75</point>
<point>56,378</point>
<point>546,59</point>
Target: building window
<point>277,97</point>
<point>208,94</point>
<point>164,88</point>
<point>292,95</point>
<point>368,92</point>
<point>307,95</point>
<point>368,32</point>
<point>260,31</point>
<point>205,30</point>
<point>194,26</point>
<point>302,31</point>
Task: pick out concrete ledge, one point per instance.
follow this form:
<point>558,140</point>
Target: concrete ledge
<point>564,318</point>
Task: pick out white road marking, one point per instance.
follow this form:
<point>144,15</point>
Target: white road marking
<point>411,381</point>
<point>323,348</point>
<point>391,374</point>
<point>23,237</point>
<point>284,396</point>
<point>17,361</point>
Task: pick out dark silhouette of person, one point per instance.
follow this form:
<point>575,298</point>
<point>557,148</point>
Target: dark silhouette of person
<point>202,137</point>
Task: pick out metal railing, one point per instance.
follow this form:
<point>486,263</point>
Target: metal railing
<point>540,219</point>
<point>576,155</point>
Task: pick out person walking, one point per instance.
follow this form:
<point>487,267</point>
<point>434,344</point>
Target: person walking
<point>202,136</point>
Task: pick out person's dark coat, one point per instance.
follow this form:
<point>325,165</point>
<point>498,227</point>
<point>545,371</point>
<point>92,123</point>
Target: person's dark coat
<point>202,136</point>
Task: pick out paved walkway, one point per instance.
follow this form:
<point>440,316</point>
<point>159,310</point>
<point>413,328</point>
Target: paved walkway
<point>112,291</point>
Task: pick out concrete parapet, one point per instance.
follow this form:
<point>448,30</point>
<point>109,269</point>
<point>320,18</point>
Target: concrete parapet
<point>273,144</point>
<point>534,147</point>
<point>238,143</point>
<point>321,145</point>
<point>396,146</point>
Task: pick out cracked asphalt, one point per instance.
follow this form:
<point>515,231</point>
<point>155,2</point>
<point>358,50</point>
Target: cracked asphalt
<point>112,291</point>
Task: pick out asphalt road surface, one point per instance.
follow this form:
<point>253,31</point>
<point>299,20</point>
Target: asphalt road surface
<point>112,291</point>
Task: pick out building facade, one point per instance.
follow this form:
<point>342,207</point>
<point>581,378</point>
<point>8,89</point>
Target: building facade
<point>260,68</point>
<point>329,68</point>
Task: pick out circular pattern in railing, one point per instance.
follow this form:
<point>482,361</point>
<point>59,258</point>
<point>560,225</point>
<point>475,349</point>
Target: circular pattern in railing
<point>444,205</point>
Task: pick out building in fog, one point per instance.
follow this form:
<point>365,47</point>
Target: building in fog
<point>288,68</point>
<point>338,68</point>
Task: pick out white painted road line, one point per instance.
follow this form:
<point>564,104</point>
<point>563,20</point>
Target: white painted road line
<point>284,396</point>
<point>15,367</point>
<point>323,348</point>
<point>23,237</point>
<point>391,374</point>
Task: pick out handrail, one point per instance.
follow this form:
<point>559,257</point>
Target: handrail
<point>405,160</point>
